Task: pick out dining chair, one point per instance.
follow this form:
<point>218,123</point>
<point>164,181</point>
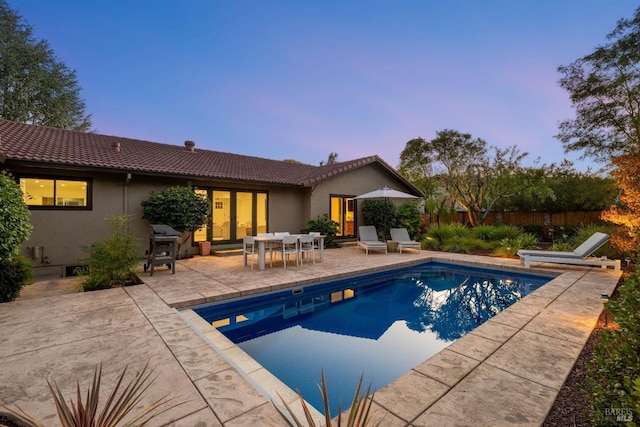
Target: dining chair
<point>316,243</point>
<point>249,247</point>
<point>277,245</point>
<point>289,246</point>
<point>307,246</point>
<point>268,246</point>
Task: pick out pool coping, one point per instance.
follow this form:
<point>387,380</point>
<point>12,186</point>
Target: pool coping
<point>260,377</point>
<point>507,371</point>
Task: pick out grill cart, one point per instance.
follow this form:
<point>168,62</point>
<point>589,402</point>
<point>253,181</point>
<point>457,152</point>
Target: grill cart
<point>163,247</point>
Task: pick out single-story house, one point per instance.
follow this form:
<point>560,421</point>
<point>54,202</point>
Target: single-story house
<point>73,180</point>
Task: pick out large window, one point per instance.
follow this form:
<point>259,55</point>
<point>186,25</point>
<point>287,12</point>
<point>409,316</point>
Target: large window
<point>234,214</point>
<point>54,193</point>
<point>343,212</point>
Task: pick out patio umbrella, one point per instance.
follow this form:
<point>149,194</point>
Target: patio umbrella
<point>386,193</point>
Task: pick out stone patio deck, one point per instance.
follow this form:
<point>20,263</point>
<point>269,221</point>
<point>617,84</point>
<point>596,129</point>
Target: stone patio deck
<point>507,371</point>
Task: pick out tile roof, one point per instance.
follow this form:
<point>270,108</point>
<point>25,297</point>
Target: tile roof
<point>40,144</point>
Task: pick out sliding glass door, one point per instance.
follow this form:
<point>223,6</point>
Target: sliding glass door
<point>234,214</point>
<point>343,211</point>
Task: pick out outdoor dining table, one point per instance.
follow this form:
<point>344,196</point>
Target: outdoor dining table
<point>261,246</point>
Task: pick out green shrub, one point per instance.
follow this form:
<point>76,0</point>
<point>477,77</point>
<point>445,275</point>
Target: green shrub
<point>563,247</point>
<point>409,218</point>
<point>455,247</point>
<point>506,232</point>
<point>612,380</point>
<point>112,262</point>
<point>441,233</point>
<point>431,243</point>
<point>484,232</point>
<point>535,229</point>
<point>464,244</point>
<point>15,227</point>
<point>563,233</point>
<point>511,245</point>
<point>382,214</point>
<point>14,274</point>
<point>323,225</point>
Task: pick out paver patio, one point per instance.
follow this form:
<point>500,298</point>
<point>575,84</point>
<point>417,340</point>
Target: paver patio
<point>507,371</point>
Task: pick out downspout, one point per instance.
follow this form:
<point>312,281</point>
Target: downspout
<point>125,199</point>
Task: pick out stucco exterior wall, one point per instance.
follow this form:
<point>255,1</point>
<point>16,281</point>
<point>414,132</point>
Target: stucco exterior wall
<point>354,183</point>
<point>285,207</point>
<point>60,235</point>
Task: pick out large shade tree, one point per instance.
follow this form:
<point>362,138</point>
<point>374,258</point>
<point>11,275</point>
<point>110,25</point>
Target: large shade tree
<point>35,87</point>
<point>417,165</point>
<point>604,87</point>
<point>475,175</point>
<point>561,188</point>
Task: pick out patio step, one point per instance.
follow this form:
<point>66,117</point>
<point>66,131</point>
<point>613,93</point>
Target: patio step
<point>227,252</point>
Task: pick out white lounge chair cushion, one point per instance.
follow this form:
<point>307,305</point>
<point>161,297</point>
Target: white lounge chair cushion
<point>401,237</point>
<point>369,238</point>
<point>580,256</point>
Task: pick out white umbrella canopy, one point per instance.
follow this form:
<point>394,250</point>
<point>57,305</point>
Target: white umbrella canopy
<point>386,193</point>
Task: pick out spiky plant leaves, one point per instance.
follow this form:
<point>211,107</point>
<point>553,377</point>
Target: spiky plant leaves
<point>359,414</point>
<point>20,417</point>
<point>117,408</point>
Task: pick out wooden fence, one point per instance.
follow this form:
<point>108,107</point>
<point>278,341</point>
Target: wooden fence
<point>545,219</point>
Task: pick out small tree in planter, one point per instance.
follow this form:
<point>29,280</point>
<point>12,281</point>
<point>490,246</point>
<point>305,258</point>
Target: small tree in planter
<point>179,207</point>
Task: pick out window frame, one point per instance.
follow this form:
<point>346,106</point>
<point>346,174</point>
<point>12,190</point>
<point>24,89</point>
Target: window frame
<point>88,193</point>
<point>233,213</point>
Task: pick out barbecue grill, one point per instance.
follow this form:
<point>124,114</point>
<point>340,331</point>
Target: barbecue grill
<point>163,247</point>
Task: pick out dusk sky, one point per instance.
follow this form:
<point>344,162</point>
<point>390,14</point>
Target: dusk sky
<point>300,79</point>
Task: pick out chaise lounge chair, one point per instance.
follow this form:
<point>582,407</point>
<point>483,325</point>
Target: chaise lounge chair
<point>401,237</point>
<point>368,239</point>
<point>580,256</point>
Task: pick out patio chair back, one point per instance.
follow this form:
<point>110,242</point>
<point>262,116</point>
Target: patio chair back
<point>307,245</point>
<point>289,246</point>
<point>368,233</point>
<point>592,244</point>
<point>249,247</point>
<point>400,235</point>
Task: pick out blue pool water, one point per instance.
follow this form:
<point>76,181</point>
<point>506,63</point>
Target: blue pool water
<point>377,326</point>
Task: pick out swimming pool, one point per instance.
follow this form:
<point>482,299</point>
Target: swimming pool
<point>378,325</point>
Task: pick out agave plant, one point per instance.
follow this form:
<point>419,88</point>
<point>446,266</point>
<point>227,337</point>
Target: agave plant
<point>359,415</point>
<point>117,408</point>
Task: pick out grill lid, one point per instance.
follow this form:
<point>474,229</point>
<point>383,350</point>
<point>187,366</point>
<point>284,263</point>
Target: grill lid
<point>163,230</point>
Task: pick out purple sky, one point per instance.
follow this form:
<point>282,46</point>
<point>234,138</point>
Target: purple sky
<point>300,79</point>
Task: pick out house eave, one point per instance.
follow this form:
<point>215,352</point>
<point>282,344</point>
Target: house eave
<point>187,177</point>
